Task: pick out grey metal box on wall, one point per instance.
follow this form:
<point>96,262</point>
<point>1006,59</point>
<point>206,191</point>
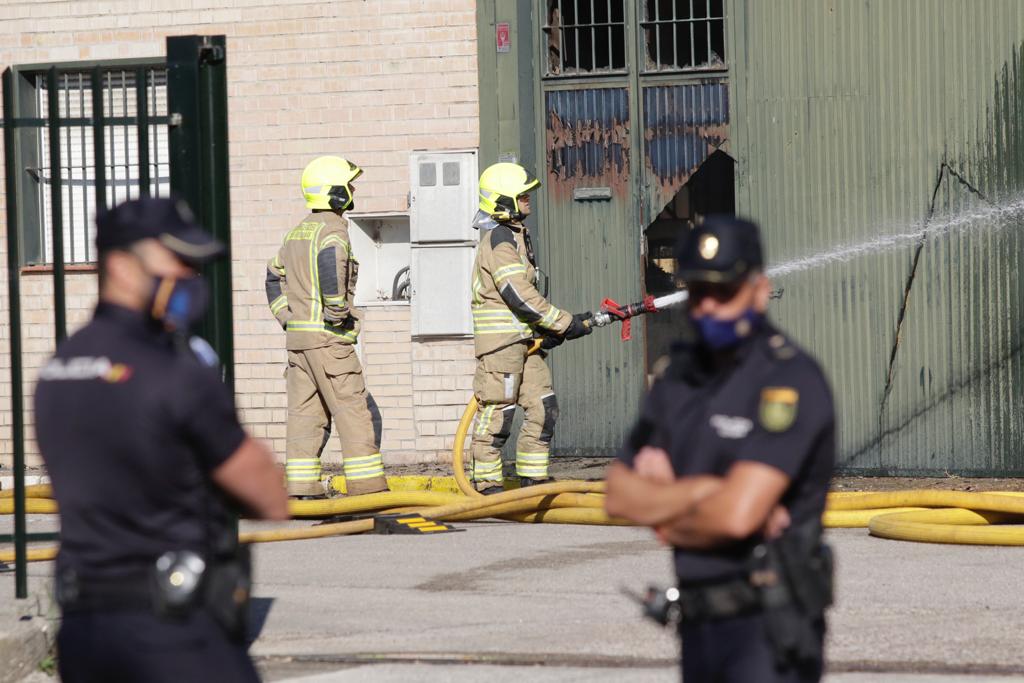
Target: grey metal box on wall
<point>441,290</point>
<point>442,204</point>
<point>443,196</point>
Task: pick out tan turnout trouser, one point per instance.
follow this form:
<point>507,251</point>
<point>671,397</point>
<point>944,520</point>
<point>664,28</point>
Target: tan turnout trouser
<point>326,383</point>
<point>504,379</point>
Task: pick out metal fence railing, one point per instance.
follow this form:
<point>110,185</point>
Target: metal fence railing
<point>81,137</point>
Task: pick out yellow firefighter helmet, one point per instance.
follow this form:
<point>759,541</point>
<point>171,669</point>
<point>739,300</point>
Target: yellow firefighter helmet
<point>327,183</point>
<point>501,185</point>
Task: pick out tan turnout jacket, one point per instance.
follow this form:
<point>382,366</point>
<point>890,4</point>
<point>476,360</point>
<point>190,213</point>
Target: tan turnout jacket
<point>311,284</point>
<point>507,307</point>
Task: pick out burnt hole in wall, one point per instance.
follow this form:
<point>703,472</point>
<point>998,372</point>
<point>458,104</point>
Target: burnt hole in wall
<point>710,190</point>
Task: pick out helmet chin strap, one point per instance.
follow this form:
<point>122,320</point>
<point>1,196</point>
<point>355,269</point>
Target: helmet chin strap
<point>509,213</point>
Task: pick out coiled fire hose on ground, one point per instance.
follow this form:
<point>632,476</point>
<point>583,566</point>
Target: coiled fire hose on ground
<point>931,516</point>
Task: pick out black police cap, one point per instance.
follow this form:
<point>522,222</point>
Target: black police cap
<point>167,220</point>
<point>722,249</point>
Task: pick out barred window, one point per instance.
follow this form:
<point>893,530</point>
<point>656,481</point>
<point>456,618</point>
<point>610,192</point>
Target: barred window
<point>122,172</point>
<point>684,35</point>
<point>585,37</point>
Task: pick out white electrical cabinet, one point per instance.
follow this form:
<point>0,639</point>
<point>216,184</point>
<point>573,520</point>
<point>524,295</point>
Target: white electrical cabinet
<point>380,243</point>
<point>443,199</point>
<point>442,205</point>
<point>441,290</point>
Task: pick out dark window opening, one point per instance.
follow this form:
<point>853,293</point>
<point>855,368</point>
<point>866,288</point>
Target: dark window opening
<point>710,190</point>
<point>682,35</point>
<point>585,37</point>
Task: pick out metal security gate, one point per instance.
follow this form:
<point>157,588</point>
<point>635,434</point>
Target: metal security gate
<point>632,100</point>
<point>79,138</point>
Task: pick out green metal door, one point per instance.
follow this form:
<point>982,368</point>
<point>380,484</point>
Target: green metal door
<point>591,249</point>
<point>631,99</point>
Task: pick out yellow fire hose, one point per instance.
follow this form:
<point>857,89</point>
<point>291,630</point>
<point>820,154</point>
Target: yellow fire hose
<point>37,491</point>
<point>930,516</point>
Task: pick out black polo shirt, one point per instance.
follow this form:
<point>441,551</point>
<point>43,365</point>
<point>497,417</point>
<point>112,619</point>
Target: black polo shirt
<point>766,401</point>
<point>130,423</point>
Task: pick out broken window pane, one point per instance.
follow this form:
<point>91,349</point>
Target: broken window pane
<point>683,35</point>
<point>585,37</point>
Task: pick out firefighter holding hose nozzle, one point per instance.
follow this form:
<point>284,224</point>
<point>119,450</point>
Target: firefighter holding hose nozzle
<point>509,313</point>
<point>730,463</point>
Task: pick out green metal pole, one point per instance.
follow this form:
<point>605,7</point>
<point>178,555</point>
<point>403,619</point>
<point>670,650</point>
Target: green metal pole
<point>197,102</point>
<point>197,99</point>
<point>56,207</point>
<point>142,126</point>
<point>213,122</point>
<point>99,151</point>
<point>14,319</point>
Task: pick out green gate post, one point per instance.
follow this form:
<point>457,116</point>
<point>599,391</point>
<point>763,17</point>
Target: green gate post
<point>197,101</point>
<point>14,313</point>
<point>60,325</point>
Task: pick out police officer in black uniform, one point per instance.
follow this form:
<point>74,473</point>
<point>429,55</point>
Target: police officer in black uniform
<point>147,458</point>
<point>730,463</point>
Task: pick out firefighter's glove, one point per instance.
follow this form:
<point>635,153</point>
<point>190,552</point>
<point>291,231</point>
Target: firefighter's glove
<point>550,341</point>
<point>580,326</point>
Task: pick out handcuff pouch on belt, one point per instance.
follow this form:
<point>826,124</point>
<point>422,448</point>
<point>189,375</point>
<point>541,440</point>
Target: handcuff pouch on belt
<point>793,577</point>
<point>789,581</point>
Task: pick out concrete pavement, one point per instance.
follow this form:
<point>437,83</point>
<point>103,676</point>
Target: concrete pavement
<point>508,602</point>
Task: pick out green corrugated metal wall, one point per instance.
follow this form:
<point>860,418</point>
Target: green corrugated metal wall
<point>852,120</point>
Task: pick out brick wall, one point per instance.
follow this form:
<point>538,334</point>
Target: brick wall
<point>37,339</point>
<point>442,383</point>
<point>369,80</point>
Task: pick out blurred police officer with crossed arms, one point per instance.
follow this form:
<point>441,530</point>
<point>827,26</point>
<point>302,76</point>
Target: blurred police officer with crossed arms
<point>730,463</point>
<point>147,459</point>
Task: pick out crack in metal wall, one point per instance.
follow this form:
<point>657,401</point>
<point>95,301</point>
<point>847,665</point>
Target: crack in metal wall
<point>945,171</point>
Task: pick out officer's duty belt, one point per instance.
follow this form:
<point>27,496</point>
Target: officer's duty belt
<point>707,602</point>
<point>100,595</point>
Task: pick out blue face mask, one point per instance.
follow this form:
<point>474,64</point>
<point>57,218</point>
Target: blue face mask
<point>179,303</point>
<point>723,334</point>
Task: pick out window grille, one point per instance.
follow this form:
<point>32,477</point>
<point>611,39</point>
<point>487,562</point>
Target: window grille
<point>684,35</point>
<point>585,37</point>
<point>123,174</point>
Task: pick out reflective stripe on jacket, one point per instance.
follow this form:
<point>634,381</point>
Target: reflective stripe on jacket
<point>507,307</point>
<point>311,283</point>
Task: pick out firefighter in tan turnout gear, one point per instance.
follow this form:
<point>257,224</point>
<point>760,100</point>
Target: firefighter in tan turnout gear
<point>508,314</point>
<point>310,289</point>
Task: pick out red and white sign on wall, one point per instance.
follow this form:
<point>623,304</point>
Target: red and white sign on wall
<point>503,39</point>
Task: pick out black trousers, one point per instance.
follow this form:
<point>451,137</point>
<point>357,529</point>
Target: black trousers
<point>737,651</point>
<point>115,646</point>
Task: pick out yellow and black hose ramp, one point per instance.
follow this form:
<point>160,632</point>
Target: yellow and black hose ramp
<point>931,516</point>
